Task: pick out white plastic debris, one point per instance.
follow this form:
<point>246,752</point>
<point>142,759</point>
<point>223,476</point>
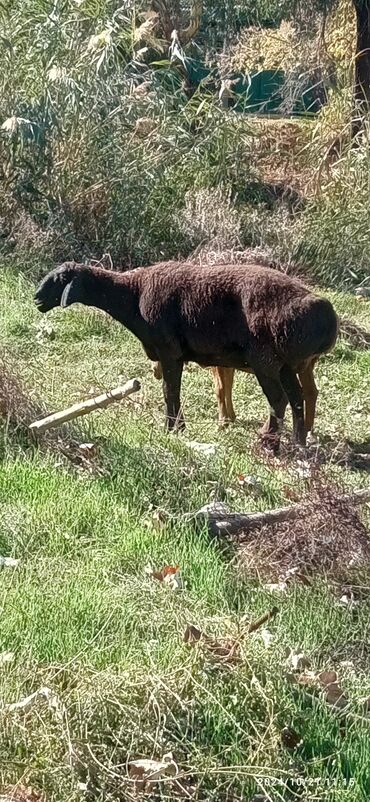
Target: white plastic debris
<point>8,562</point>
<point>43,693</point>
<point>208,449</point>
<point>6,657</point>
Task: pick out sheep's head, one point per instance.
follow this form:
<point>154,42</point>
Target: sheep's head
<point>61,287</point>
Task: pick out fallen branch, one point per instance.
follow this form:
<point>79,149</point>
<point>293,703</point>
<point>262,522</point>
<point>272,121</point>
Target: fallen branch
<point>221,521</point>
<point>254,625</point>
<point>85,407</point>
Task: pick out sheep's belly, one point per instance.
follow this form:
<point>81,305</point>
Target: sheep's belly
<point>228,359</point>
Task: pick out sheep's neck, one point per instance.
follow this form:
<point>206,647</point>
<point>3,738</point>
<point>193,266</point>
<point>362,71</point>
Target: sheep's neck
<point>119,297</point>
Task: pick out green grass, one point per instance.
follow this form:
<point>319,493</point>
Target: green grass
<point>84,619</point>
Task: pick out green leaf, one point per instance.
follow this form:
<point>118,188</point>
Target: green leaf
<point>165,62</point>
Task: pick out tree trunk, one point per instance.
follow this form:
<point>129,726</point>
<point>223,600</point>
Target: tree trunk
<point>361,89</point>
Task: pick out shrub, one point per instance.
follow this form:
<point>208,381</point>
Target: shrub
<point>100,153</point>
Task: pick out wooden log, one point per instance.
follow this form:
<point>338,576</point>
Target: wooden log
<point>254,625</point>
<point>85,407</point>
<point>221,521</point>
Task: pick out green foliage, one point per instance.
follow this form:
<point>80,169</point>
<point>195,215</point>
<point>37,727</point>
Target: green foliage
<point>88,155</point>
<point>226,15</point>
<point>103,153</point>
<point>335,231</point>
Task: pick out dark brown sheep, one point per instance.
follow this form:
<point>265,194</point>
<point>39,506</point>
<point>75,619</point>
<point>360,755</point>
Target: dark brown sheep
<point>238,316</point>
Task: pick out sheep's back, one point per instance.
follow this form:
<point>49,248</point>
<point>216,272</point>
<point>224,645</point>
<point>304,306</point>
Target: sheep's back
<point>216,306</point>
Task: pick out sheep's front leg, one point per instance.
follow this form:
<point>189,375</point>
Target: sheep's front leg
<point>294,392</point>
<point>172,372</point>
<point>273,390</point>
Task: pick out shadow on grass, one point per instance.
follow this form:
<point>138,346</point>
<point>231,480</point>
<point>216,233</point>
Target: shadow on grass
<point>151,474</point>
<point>355,456</point>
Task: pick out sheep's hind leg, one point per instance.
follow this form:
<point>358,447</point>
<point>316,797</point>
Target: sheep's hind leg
<point>157,370</point>
<point>274,392</point>
<point>294,392</point>
<point>223,381</point>
<point>229,379</point>
<point>172,373</point>
<point>310,394</point>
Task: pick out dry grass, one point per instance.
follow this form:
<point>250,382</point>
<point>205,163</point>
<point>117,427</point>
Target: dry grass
<point>16,405</point>
<point>329,538</point>
<point>212,254</point>
<point>273,49</point>
<point>281,151</point>
<point>18,793</point>
<point>355,335</point>
<point>209,216</point>
<point>18,409</point>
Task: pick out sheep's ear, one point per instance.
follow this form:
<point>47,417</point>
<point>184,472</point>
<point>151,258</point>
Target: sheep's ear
<point>71,293</point>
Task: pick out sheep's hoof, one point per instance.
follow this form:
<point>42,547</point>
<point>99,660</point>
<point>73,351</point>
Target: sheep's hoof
<point>225,422</point>
<point>175,426</point>
<point>300,434</point>
<point>265,429</point>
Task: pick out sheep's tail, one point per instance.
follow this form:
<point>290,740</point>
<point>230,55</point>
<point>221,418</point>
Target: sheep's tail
<point>311,330</point>
<point>327,325</point>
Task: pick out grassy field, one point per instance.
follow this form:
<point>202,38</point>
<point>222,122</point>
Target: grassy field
<point>84,619</point>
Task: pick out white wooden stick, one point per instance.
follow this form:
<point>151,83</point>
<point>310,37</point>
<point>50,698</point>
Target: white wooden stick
<point>84,407</point>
